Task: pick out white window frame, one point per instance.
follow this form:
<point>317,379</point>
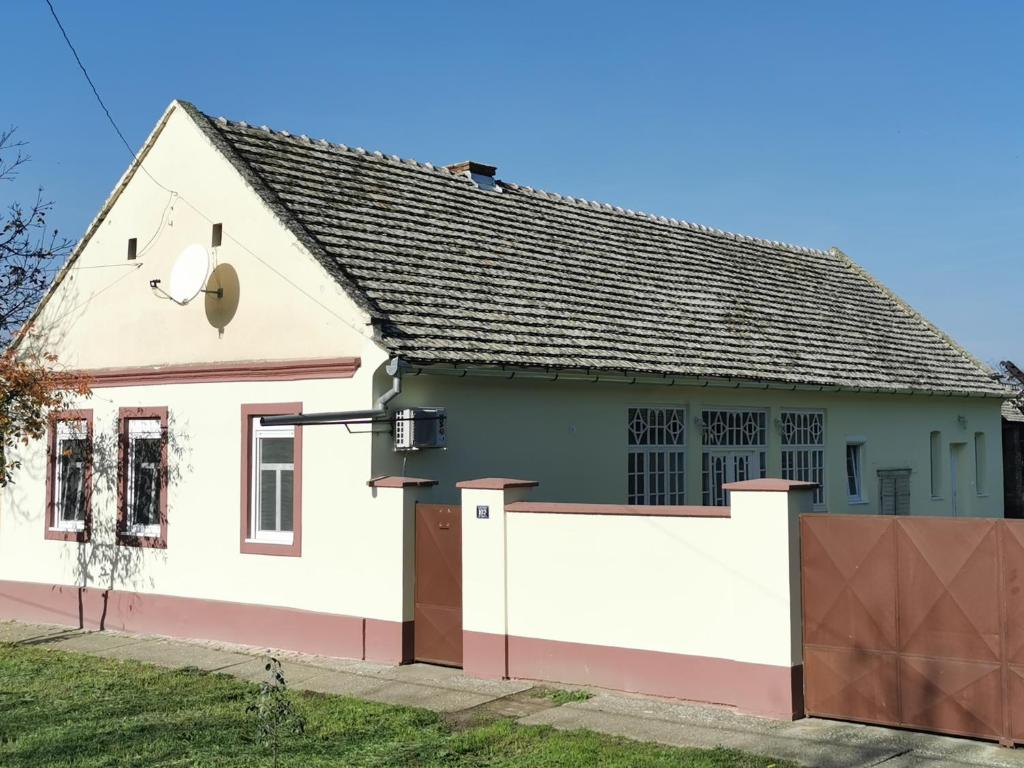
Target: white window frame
<point>666,453</point>
<point>981,464</point>
<point>859,443</point>
<point>67,430</point>
<point>809,450</point>
<point>142,428</point>
<point>935,462</point>
<point>258,536</point>
<point>758,455</point>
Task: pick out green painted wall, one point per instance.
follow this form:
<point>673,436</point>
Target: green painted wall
<point>572,438</point>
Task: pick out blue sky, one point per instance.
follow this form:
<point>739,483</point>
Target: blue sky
<point>890,130</point>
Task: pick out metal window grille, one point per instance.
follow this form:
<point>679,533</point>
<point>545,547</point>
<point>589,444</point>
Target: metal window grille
<point>803,449</point>
<point>656,458</point>
<point>734,450</point>
<point>144,476</point>
<point>70,463</point>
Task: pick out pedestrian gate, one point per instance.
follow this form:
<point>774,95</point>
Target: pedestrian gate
<point>437,632</point>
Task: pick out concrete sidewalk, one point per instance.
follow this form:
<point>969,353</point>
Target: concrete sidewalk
<point>811,742</point>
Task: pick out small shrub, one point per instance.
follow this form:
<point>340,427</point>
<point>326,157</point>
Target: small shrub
<point>272,709</point>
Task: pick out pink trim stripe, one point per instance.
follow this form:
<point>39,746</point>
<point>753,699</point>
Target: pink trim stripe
<point>484,655</point>
<point>388,642</point>
<point>639,510</point>
<point>293,629</point>
<point>759,689</point>
<point>246,370</point>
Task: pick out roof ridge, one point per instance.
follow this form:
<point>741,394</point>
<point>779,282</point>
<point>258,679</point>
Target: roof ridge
<point>579,202</point>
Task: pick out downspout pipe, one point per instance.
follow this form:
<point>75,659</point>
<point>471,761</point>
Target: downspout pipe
<point>393,368</point>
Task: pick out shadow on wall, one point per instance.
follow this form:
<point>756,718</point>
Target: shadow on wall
<point>104,562</point>
<point>222,304</point>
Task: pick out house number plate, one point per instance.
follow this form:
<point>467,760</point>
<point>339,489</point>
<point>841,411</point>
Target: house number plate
<point>483,512</point>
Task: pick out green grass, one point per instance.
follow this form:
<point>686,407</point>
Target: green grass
<point>561,696</point>
<point>67,709</point>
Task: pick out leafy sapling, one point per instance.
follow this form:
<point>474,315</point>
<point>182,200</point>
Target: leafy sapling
<point>272,709</point>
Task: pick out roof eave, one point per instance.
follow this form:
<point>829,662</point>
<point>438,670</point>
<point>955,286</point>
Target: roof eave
<point>546,373</point>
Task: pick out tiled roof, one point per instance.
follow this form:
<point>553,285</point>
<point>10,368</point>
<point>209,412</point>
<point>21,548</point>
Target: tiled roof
<point>453,273</point>
<point>1012,412</point>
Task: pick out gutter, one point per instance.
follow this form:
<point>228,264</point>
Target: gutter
<point>592,376</point>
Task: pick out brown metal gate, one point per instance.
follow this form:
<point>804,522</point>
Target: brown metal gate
<point>437,632</point>
<point>915,622</point>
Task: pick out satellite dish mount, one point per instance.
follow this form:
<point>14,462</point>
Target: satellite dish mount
<point>188,276</point>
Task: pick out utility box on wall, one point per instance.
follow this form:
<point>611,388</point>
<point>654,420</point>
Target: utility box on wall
<point>419,428</point>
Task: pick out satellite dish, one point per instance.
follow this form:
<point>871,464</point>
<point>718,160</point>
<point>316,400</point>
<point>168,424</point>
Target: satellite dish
<point>188,276</point>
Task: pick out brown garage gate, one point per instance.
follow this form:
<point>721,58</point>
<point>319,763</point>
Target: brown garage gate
<point>915,622</point>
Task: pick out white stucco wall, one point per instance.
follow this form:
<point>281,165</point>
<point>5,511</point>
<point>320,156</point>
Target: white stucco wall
<point>352,545</point>
<point>104,313</point>
<point>724,588</point>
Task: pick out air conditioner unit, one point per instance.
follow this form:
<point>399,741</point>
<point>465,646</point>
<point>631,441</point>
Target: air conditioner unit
<point>417,428</point>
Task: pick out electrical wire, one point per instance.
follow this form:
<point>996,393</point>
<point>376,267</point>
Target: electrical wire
<point>96,92</point>
<point>177,195</point>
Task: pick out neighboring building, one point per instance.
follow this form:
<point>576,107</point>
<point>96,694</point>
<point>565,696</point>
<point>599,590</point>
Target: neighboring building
<point>1013,458</point>
<point>616,357</point>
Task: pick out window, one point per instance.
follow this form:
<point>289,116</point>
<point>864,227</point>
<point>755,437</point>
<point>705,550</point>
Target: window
<point>734,449</point>
<point>271,482</point>
<point>855,472</point>
<point>980,463</point>
<point>803,449</point>
<point>216,234</point>
<point>133,248</point>
<point>656,460</point>
<point>142,503</point>
<point>69,476</point>
<point>935,442</point>
<point>894,491</point>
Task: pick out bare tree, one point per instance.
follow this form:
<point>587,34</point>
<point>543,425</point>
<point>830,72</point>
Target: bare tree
<point>30,253</point>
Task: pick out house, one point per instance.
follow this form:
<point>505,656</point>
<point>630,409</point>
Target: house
<point>612,356</point>
<point>1013,447</point>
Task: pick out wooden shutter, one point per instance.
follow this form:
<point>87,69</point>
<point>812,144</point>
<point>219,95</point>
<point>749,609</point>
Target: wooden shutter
<point>894,491</point>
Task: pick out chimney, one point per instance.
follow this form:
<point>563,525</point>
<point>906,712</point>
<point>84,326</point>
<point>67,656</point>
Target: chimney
<point>480,174</point>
